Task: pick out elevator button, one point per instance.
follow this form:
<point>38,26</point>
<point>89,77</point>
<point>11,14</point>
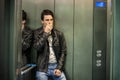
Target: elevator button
<point>98,61</point>
<point>98,64</point>
<point>98,54</point>
<point>99,51</point>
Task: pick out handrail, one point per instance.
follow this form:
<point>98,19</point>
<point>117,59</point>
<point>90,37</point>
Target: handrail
<point>24,67</point>
<point>27,68</point>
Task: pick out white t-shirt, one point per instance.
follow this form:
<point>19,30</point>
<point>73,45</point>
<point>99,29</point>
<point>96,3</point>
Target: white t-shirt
<point>52,57</point>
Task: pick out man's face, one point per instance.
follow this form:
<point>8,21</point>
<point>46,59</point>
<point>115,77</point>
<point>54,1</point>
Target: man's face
<point>48,20</point>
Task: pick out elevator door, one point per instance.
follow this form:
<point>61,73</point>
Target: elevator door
<point>76,20</point>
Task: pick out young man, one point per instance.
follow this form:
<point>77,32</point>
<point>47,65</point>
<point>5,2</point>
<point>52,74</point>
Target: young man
<point>51,49</point>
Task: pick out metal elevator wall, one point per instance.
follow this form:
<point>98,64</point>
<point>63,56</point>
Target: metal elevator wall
<point>116,40</point>
<point>75,19</point>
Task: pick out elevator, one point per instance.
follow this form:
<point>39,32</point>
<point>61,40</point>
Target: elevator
<point>86,26</point>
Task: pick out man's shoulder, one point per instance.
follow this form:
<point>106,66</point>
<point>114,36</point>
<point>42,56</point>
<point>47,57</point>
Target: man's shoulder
<point>58,31</point>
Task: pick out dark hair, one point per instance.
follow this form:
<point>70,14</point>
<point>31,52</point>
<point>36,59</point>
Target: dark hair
<point>24,15</point>
<point>46,12</point>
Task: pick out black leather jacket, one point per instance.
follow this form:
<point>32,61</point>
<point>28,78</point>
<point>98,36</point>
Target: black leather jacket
<point>42,47</point>
<point>27,37</point>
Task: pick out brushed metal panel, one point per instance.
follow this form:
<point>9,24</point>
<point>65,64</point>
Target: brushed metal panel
<point>116,40</point>
<point>64,22</point>
<point>83,39</point>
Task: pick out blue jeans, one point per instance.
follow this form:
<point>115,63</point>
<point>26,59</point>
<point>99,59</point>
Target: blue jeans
<point>50,73</point>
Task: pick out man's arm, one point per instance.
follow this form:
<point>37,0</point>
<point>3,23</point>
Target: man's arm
<point>40,39</point>
<point>63,51</point>
<point>27,39</point>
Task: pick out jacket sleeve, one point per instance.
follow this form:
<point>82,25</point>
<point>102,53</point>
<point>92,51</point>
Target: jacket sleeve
<point>39,39</point>
<point>63,51</point>
<point>26,39</point>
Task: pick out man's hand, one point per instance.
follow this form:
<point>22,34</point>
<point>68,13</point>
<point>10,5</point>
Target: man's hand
<point>48,28</point>
<point>57,72</point>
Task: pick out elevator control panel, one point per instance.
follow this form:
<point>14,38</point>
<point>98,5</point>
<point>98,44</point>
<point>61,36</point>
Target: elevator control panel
<point>99,40</point>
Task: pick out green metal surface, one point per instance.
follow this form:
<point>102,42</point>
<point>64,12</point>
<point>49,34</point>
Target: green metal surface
<point>116,43</point>
<point>83,38</point>
<point>3,43</point>
<point>64,11</point>
<point>8,40</point>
